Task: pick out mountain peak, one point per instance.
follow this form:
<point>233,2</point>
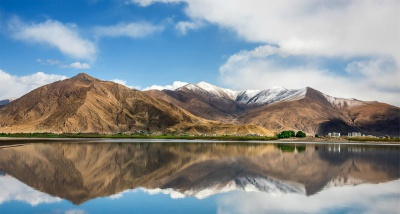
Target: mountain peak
<point>83,77</point>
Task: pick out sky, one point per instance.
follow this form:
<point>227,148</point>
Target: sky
<point>343,48</point>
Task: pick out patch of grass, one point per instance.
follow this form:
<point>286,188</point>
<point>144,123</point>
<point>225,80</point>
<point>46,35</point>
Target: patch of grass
<point>133,135</point>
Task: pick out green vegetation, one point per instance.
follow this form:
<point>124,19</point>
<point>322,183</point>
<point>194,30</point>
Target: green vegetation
<point>134,135</point>
<point>286,134</point>
<point>291,148</point>
<point>316,135</point>
<point>289,134</point>
<point>300,134</point>
<point>286,148</point>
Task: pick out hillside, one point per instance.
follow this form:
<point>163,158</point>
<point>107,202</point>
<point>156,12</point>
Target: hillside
<point>86,104</point>
<point>280,109</point>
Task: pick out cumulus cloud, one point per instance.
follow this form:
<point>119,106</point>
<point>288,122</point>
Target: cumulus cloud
<point>56,34</point>
<point>131,30</point>
<point>75,211</point>
<point>145,3</point>
<point>175,85</point>
<point>16,86</point>
<point>267,66</point>
<point>79,65</point>
<point>313,30</point>
<point>184,26</point>
<point>14,190</point>
<point>124,82</point>
<point>58,63</point>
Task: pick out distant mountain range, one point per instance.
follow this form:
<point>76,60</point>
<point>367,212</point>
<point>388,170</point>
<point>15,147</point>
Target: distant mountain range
<point>279,108</point>
<point>86,104</point>
<point>6,101</point>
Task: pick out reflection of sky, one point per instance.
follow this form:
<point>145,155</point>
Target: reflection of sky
<point>16,197</point>
<point>12,189</point>
<point>364,198</point>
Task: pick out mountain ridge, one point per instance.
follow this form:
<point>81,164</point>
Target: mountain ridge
<point>86,104</point>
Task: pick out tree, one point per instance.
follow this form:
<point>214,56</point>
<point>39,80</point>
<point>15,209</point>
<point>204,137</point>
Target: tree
<point>300,134</point>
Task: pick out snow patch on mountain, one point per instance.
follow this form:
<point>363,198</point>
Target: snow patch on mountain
<point>339,103</point>
<point>248,97</point>
<point>275,94</point>
<point>215,90</point>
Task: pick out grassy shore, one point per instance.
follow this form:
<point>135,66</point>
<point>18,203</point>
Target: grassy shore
<point>136,136</point>
<point>191,137</point>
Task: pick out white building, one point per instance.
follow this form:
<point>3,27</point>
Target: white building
<point>334,134</point>
<point>354,134</point>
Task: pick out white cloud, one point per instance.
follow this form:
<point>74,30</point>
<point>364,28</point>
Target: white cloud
<point>124,82</point>
<point>184,26</point>
<point>56,34</point>
<point>265,67</point>
<point>175,85</point>
<point>316,27</point>
<point>48,61</point>
<point>312,29</point>
<point>132,30</point>
<point>145,3</point>
<point>365,198</point>
<point>16,86</point>
<point>58,63</point>
<point>79,65</point>
<point>75,211</point>
<point>14,190</point>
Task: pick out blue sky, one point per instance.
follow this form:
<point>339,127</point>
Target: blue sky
<point>342,48</point>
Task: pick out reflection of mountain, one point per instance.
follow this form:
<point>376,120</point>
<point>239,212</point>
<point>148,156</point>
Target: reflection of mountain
<point>80,172</point>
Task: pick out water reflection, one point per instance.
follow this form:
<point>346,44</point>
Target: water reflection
<point>274,172</point>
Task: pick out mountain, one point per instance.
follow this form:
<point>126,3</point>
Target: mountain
<point>86,104</point>
<point>82,171</point>
<point>6,101</point>
<point>280,109</point>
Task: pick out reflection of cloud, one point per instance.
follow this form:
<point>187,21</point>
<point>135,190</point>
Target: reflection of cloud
<point>14,190</point>
<point>173,193</point>
<point>74,212</point>
<point>121,194</point>
<point>365,198</point>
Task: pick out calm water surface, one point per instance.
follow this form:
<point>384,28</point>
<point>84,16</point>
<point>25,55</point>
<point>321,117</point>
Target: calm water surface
<point>115,177</point>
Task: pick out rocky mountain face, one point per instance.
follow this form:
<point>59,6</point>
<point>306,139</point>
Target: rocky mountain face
<point>281,109</point>
<point>79,172</point>
<point>86,104</point>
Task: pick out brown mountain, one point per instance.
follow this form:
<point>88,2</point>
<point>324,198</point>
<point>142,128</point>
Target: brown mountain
<point>280,109</point>
<point>83,171</point>
<point>87,104</point>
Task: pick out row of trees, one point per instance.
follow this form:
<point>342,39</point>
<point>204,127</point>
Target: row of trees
<point>290,133</point>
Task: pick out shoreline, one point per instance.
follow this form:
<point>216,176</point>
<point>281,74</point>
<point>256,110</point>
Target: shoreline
<point>8,141</point>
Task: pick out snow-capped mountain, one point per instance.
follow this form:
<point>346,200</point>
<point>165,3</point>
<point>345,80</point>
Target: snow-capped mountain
<point>248,184</point>
<point>279,108</point>
<point>339,103</point>
<point>211,89</point>
<point>247,97</point>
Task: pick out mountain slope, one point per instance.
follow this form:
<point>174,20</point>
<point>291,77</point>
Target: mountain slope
<point>86,104</point>
<point>280,109</point>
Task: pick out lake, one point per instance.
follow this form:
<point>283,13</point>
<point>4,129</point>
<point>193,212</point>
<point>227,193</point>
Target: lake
<point>130,176</point>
